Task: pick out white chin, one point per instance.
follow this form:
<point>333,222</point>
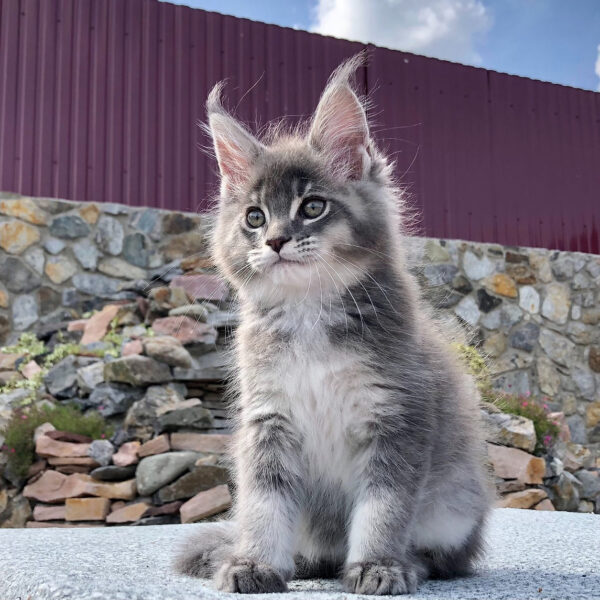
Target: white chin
<point>289,274</point>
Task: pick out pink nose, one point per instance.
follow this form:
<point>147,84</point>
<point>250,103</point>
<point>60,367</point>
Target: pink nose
<point>277,243</point>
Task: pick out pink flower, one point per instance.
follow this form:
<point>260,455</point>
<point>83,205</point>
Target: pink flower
<point>103,436</point>
<point>547,440</point>
<point>545,407</point>
<point>527,394</point>
<point>525,403</point>
<point>12,450</point>
<point>23,416</point>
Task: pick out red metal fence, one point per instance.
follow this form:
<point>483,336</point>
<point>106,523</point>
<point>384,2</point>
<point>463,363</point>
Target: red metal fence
<point>99,100</point>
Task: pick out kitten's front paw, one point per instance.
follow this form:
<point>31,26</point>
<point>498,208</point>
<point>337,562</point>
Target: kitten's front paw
<point>245,576</point>
<point>381,578</point>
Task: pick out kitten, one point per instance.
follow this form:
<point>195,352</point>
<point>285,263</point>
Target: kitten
<point>357,449</point>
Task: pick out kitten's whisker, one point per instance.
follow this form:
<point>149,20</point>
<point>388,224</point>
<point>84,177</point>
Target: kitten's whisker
<point>362,323</point>
<point>321,307</point>
<point>307,288</point>
<point>337,290</point>
<point>382,254</point>
<point>361,284</point>
<point>372,279</point>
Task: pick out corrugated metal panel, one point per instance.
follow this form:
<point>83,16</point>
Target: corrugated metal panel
<point>99,101</point>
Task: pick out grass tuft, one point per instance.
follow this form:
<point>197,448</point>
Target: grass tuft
<point>18,432</point>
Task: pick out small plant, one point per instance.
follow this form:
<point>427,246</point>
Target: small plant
<point>18,432</point>
<point>546,430</point>
<point>27,345</point>
<point>32,347</point>
<point>60,352</point>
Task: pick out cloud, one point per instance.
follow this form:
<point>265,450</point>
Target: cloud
<point>598,67</point>
<point>442,28</point>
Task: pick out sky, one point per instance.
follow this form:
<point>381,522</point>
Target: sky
<point>551,40</point>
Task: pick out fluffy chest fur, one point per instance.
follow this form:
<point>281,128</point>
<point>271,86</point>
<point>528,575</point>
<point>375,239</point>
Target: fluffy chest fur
<point>328,391</point>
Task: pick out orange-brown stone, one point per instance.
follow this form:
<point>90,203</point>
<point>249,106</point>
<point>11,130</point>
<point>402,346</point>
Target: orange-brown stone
<point>55,487</point>
<point>45,512</point>
<point>216,443</point>
<point>97,325</point>
<point>31,369</point>
<point>77,325</point>
<point>504,285</point>
<point>90,213</point>
<point>127,454</point>
<point>158,445</point>
<point>46,446</point>
<point>25,209</point>
<point>15,236</point>
<point>128,514</point>
<point>185,329</point>
<point>592,414</point>
<point>59,269</point>
<point>525,499</point>
<point>510,463</point>
<point>121,490</point>
<point>206,504</point>
<point>86,509</point>
<point>133,347</point>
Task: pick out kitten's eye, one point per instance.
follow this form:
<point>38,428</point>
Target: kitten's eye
<point>312,208</point>
<point>255,218</point>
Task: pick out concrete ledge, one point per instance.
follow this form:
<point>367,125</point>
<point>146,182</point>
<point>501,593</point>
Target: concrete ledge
<point>532,555</point>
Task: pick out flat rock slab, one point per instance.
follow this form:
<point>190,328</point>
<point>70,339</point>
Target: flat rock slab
<point>532,555</point>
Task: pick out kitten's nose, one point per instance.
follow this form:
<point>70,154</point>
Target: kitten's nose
<point>277,243</point>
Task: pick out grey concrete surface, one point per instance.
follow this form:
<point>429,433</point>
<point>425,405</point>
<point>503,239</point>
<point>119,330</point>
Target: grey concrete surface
<point>532,555</point>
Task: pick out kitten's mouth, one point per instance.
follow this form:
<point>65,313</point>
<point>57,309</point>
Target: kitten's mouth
<point>285,263</point>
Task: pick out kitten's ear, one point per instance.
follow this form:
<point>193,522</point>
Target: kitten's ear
<point>236,148</point>
<point>339,126</point>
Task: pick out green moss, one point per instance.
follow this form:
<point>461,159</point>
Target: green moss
<point>19,445</point>
<point>28,345</point>
<point>60,352</point>
<point>477,366</point>
<point>114,338</point>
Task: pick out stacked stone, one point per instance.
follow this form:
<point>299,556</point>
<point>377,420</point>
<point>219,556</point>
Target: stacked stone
<point>164,394</point>
<point>564,478</point>
<point>535,314</point>
<point>172,478</point>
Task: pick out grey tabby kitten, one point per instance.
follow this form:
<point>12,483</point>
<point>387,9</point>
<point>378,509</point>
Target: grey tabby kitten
<point>357,448</point>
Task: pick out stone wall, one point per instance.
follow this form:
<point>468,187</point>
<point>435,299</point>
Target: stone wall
<point>59,259</point>
<point>535,312</point>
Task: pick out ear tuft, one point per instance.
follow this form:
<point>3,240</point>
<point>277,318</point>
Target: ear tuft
<point>236,148</point>
<point>339,127</point>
